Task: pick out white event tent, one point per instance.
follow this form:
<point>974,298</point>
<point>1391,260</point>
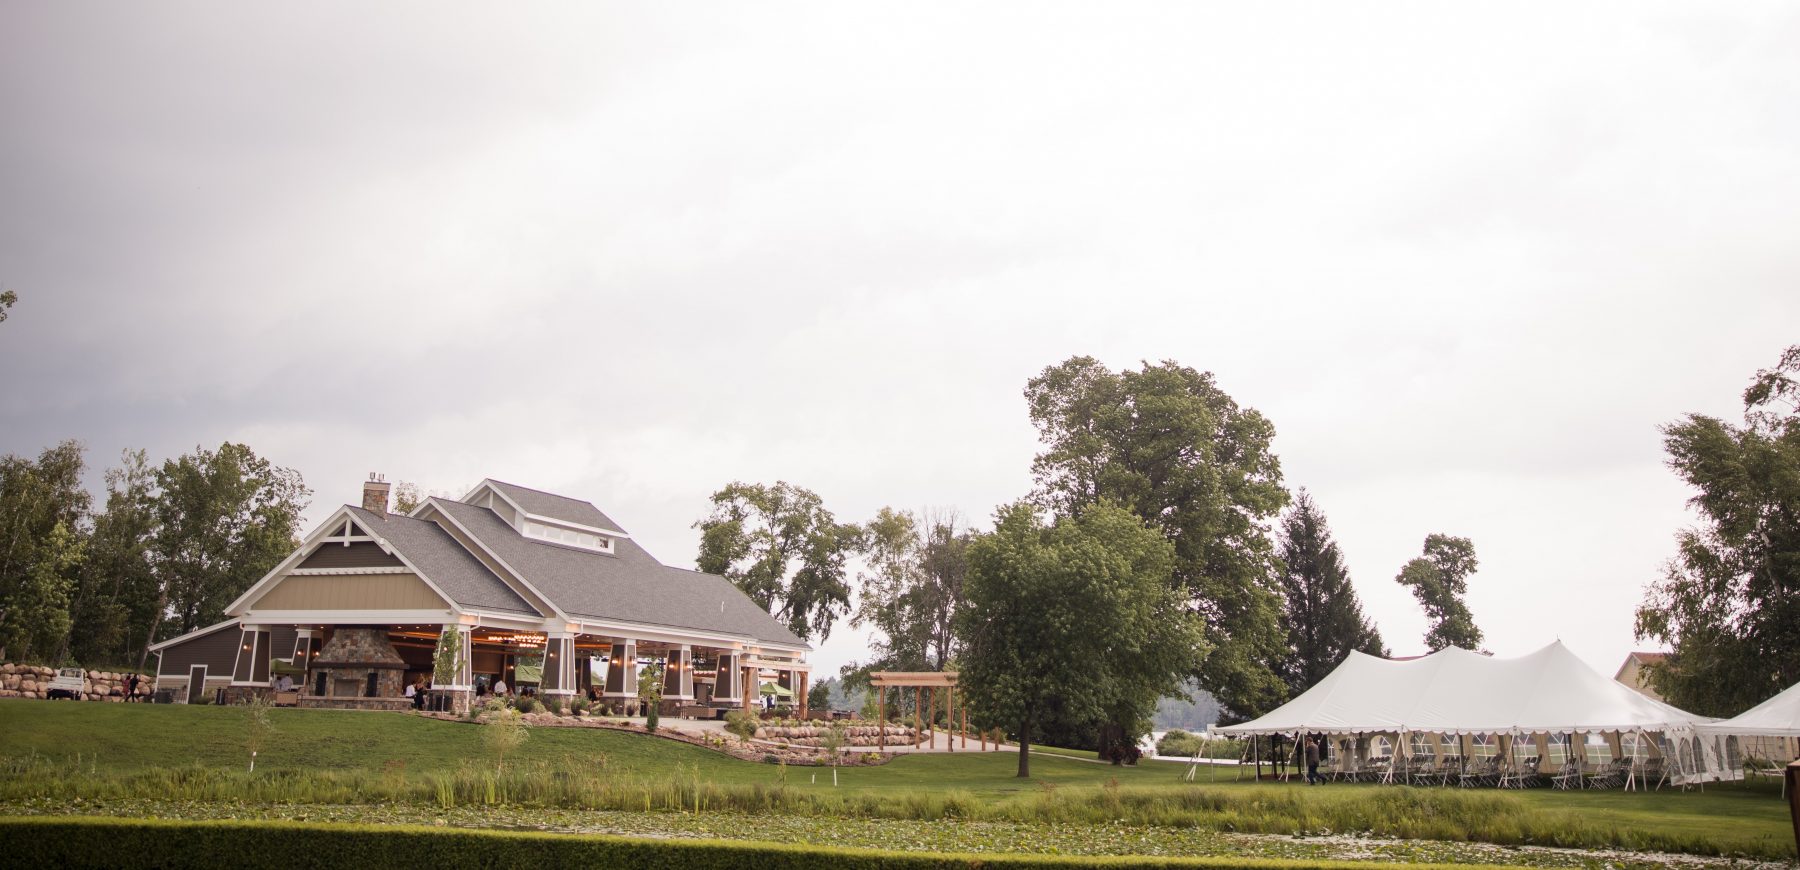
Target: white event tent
<point>1777,717</point>
<point>1455,693</point>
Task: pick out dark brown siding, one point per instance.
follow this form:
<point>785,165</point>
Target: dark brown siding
<point>281,643</point>
<point>363,554</point>
<point>218,651</point>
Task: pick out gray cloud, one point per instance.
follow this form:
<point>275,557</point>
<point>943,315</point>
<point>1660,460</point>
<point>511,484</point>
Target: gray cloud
<point>1466,259</point>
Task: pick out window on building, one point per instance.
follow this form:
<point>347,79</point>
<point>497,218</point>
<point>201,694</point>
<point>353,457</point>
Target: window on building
<point>570,537</point>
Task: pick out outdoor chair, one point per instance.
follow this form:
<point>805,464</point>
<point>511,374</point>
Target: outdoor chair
<point>1377,768</point>
<point>1568,777</point>
<point>1422,769</point>
<point>1450,767</point>
<point>1485,771</point>
<point>1606,774</point>
<point>1523,773</point>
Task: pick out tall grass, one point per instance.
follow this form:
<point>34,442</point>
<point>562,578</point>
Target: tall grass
<point>1436,814</point>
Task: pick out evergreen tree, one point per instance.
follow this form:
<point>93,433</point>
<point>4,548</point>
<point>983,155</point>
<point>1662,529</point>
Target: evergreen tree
<point>1324,619</point>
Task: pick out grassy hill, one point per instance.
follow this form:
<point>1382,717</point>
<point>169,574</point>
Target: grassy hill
<point>124,751</point>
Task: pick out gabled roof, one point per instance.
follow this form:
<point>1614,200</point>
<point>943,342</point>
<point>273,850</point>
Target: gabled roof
<point>1457,691</point>
<point>553,506</point>
<point>627,585</point>
<point>444,562</point>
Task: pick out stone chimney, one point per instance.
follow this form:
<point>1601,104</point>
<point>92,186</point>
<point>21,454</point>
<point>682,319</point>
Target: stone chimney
<point>375,494</point>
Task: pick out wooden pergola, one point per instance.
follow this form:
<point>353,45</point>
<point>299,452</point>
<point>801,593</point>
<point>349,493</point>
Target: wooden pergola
<point>922,683</point>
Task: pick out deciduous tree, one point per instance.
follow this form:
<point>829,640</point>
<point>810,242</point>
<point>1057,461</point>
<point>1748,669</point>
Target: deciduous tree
<point>1440,579</point>
<point>784,549</point>
<point>1169,445</point>
<point>223,518</point>
<point>1076,620</point>
<point>912,589</point>
<point>36,562</point>
<point>1324,619</point>
<point>117,592</point>
<point>1729,601</point>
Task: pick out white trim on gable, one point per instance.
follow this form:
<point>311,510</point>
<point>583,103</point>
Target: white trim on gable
<point>567,524</point>
<point>312,543</point>
<point>162,645</point>
<point>488,484</point>
<point>307,545</point>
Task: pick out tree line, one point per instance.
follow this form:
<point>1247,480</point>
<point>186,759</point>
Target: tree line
<point>1152,554</point>
<point>172,545</point>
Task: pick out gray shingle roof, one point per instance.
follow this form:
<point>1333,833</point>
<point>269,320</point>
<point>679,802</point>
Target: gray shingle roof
<point>444,562</point>
<point>549,504</point>
<point>628,585</point>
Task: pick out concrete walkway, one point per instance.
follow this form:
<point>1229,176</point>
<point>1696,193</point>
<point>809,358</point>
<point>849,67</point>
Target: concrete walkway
<point>939,741</point>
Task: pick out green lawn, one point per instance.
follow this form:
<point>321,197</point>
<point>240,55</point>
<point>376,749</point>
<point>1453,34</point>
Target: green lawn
<point>1727,818</point>
<point>127,736</point>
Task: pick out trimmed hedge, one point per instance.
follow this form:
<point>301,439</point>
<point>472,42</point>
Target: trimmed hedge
<point>84,841</point>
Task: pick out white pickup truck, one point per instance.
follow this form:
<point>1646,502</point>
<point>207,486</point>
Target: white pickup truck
<point>68,683</point>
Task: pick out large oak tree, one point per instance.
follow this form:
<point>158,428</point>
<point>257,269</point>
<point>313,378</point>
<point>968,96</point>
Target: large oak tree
<point>1170,446</point>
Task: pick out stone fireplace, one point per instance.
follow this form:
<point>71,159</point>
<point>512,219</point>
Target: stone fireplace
<point>357,669</point>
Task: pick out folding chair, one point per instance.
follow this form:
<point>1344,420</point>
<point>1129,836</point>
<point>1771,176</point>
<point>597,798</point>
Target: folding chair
<point>1568,777</point>
<point>1484,772</point>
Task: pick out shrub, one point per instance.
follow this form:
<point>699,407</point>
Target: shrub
<point>579,705</point>
<point>741,723</point>
<point>1178,743</point>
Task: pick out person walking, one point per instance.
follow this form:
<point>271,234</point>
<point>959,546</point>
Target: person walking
<point>131,684</point>
<point>1312,762</point>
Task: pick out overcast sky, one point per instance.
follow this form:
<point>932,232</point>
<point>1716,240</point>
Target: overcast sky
<point>1466,257</point>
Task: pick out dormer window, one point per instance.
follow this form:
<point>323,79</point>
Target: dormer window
<point>569,537</point>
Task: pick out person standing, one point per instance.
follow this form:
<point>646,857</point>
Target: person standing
<point>131,684</point>
<point>1312,762</point>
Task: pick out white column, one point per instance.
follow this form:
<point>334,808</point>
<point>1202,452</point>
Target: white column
<point>464,679</point>
<point>243,668</point>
